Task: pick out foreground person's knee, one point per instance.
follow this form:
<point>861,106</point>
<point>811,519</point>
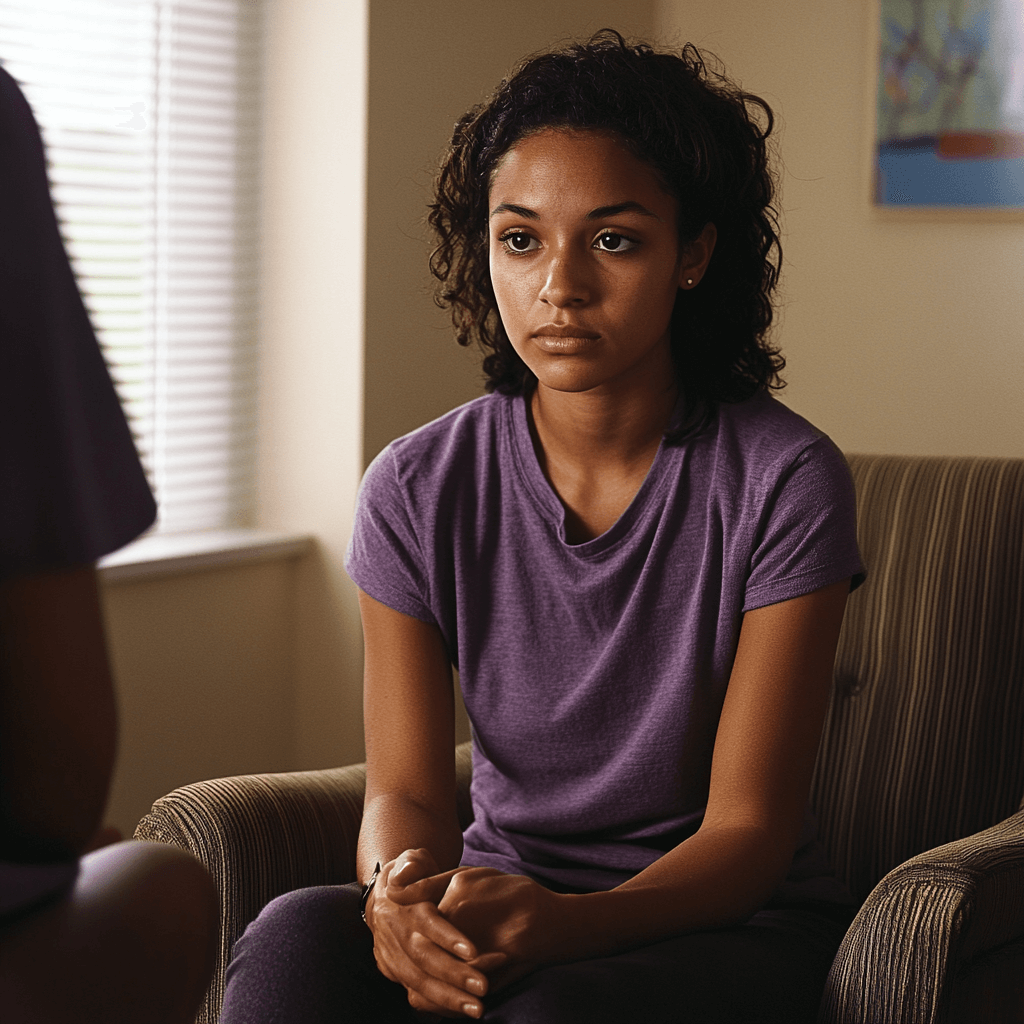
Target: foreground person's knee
<point>155,890</point>
<point>157,906</point>
<point>133,941</point>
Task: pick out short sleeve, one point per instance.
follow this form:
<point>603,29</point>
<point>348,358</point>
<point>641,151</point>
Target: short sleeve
<point>71,485</point>
<point>384,557</point>
<point>807,535</point>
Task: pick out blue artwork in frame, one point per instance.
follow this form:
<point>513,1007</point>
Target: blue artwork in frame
<point>950,114</point>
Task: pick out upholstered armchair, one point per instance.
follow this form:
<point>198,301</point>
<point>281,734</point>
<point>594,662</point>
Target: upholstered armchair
<point>918,784</point>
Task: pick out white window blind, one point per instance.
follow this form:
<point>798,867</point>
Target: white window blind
<point>149,112</point>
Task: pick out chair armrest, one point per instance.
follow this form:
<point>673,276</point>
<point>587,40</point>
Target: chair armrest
<point>261,836</point>
<point>922,922</point>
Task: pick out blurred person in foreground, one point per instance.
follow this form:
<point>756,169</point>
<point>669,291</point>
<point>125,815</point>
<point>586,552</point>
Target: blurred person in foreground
<point>124,932</point>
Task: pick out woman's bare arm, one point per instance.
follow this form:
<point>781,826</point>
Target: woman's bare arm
<point>410,824</point>
<point>764,756</point>
<point>409,713</point>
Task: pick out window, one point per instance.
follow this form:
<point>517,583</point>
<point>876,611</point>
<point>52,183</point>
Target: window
<point>149,112</point>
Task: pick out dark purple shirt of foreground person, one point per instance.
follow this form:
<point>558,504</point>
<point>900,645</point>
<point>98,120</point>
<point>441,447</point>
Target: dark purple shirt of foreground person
<point>594,674</point>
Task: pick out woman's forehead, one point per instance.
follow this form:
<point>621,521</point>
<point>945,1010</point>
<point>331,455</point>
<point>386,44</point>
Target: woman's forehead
<point>573,164</point>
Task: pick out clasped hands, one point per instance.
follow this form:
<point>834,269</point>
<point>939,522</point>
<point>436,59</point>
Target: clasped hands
<point>450,937</point>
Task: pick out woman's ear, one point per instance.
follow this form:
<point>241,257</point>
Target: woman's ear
<point>697,256</point>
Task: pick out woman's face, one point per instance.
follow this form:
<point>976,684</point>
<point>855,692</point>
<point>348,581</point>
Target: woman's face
<point>585,261</point>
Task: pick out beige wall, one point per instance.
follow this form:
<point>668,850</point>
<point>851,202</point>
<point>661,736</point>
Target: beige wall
<point>205,689</point>
<point>312,345</point>
<point>903,333</point>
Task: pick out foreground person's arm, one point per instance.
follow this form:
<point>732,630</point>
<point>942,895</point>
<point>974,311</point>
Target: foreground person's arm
<point>410,825</point>
<point>764,756</point>
<point>58,721</point>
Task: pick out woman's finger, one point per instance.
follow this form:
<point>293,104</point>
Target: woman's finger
<point>431,1011</point>
<point>443,934</point>
<point>434,979</point>
<point>415,946</point>
<point>443,981</point>
<point>418,1001</point>
<point>487,963</point>
<point>419,890</point>
<point>411,865</point>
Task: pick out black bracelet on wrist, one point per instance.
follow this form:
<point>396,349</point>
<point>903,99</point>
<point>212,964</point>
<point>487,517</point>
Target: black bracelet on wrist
<point>367,889</point>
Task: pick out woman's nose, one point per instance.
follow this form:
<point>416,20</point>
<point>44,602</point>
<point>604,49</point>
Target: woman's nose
<point>565,281</point>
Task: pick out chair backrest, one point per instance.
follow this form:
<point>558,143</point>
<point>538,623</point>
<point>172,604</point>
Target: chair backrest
<point>924,737</point>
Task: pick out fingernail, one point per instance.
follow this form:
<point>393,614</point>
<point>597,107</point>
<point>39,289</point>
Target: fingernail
<point>463,950</point>
<point>476,985</point>
<point>472,1009</point>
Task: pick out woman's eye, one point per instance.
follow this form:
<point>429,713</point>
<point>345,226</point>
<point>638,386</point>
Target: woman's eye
<point>609,241</point>
<point>519,241</point>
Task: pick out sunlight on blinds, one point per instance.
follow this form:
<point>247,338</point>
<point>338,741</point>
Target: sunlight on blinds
<point>149,113</point>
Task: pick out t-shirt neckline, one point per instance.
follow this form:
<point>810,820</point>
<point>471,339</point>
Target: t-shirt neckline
<point>548,502</point>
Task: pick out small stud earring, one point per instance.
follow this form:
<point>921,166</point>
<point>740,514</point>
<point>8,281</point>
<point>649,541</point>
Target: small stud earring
<point>689,282</point>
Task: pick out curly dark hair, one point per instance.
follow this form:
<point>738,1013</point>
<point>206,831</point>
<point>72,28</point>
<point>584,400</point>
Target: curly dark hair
<point>707,141</point>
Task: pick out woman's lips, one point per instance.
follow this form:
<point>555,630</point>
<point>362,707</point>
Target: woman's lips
<point>564,339</point>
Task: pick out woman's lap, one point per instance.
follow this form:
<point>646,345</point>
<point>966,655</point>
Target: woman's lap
<point>772,968</point>
<point>309,958</point>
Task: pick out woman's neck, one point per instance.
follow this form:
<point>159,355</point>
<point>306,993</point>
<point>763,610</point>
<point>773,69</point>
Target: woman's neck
<point>595,453</point>
<point>597,433</point>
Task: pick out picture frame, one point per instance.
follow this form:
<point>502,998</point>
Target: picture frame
<point>949,105</point>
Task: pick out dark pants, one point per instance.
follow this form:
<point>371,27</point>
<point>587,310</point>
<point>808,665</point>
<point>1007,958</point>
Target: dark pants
<point>308,958</point>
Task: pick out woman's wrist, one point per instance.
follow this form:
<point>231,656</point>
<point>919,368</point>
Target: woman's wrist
<point>367,893</point>
<point>587,925</point>
<point>558,929</point>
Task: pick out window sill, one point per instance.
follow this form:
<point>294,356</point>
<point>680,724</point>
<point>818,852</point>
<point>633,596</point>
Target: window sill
<point>170,554</point>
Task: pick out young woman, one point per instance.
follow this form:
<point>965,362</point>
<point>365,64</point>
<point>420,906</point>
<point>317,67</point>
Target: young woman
<point>637,559</point>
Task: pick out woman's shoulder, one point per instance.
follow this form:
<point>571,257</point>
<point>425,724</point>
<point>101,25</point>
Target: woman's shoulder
<point>457,425</point>
<point>460,433</point>
<point>764,430</point>
<point>793,487</point>
<point>763,442</point>
<point>764,422</point>
<point>459,443</point>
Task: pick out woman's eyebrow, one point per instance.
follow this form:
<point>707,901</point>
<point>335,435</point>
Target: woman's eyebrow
<point>599,213</point>
<point>519,211</point>
<point>628,207</point>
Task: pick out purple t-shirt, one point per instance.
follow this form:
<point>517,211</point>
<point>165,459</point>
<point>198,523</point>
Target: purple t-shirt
<point>594,673</point>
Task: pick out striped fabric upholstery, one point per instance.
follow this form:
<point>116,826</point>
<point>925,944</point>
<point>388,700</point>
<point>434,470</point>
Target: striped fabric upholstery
<point>930,925</point>
<point>923,747</point>
<point>924,738</point>
<point>265,835</point>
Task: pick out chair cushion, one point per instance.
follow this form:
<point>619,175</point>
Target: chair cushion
<point>922,739</point>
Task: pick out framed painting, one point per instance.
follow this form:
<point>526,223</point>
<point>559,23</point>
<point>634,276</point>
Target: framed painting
<point>950,104</point>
